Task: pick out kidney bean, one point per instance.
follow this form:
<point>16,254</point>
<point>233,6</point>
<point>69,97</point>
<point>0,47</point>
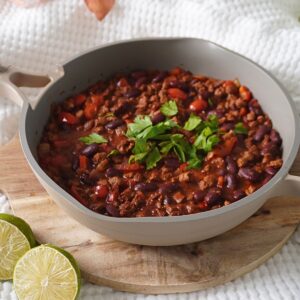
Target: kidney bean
<point>255,107</point>
<point>231,181</point>
<point>271,171</point>
<point>270,148</point>
<point>199,195</point>
<point>101,191</point>
<point>114,124</point>
<point>145,186</point>
<point>141,81</point>
<point>85,179</point>
<point>260,133</point>
<point>168,200</point>
<point>238,194</point>
<point>213,197</point>
<point>112,172</point>
<point>227,126</point>
<point>75,163</point>
<point>231,165</point>
<point>249,174</point>
<point>124,108</point>
<point>167,188</point>
<point>171,162</point>
<point>90,150</point>
<point>177,84</point>
<point>275,137</point>
<point>157,118</point>
<point>159,77</point>
<point>112,210</point>
<point>132,93</point>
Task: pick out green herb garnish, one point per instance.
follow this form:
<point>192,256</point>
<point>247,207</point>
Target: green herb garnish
<point>113,153</point>
<point>239,128</point>
<point>140,124</point>
<point>169,109</point>
<point>153,142</point>
<point>93,138</point>
<point>153,158</point>
<point>192,122</point>
<point>210,102</point>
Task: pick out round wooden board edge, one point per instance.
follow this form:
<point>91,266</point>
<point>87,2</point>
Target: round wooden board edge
<point>190,287</point>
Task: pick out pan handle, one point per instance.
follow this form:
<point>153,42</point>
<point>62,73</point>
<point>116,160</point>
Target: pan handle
<point>11,79</point>
<point>288,186</point>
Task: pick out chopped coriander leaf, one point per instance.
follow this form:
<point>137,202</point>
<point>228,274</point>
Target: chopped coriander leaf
<point>139,157</point>
<point>156,130</point>
<point>206,140</point>
<point>211,142</point>
<point>140,123</point>
<point>169,109</point>
<point>140,146</point>
<point>93,138</point>
<point>192,122</point>
<point>165,147</point>
<point>210,102</point>
<point>113,153</point>
<point>153,158</point>
<point>212,122</point>
<point>194,163</point>
<point>240,128</point>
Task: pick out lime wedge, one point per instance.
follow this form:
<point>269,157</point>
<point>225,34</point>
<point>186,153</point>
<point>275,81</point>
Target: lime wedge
<point>16,238</point>
<point>47,272</point>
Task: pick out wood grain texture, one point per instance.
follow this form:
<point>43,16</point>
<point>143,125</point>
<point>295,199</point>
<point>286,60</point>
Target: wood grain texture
<point>149,270</point>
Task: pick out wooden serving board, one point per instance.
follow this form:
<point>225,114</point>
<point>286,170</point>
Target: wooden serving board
<point>149,270</point>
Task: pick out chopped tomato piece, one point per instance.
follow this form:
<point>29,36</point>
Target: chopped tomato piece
<point>130,167</point>
<point>243,111</point>
<point>101,191</point>
<point>83,162</point>
<point>177,93</point>
<point>97,99</point>
<point>90,111</point>
<point>176,71</point>
<point>183,167</point>
<point>66,117</point>
<point>198,105</point>
<point>122,82</point>
<point>245,93</point>
<point>226,148</point>
<point>79,99</point>
<point>228,83</point>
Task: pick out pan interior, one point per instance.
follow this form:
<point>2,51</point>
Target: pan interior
<point>198,56</point>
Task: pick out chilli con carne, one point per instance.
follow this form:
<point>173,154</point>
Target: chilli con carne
<point>160,143</point>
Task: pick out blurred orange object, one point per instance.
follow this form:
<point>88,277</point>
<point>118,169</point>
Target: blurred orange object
<point>100,7</point>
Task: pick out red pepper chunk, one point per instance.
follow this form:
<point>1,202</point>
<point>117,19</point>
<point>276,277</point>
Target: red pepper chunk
<point>92,106</point>
<point>198,105</point>
<point>101,191</point>
<point>226,148</point>
<point>83,162</point>
<point>245,93</point>
<point>65,117</point>
<point>79,99</point>
<point>177,93</point>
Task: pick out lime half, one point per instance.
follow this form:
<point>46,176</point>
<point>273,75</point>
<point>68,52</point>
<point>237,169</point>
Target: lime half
<point>16,238</point>
<point>47,272</point>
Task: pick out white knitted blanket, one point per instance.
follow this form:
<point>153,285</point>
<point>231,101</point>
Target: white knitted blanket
<point>267,31</point>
